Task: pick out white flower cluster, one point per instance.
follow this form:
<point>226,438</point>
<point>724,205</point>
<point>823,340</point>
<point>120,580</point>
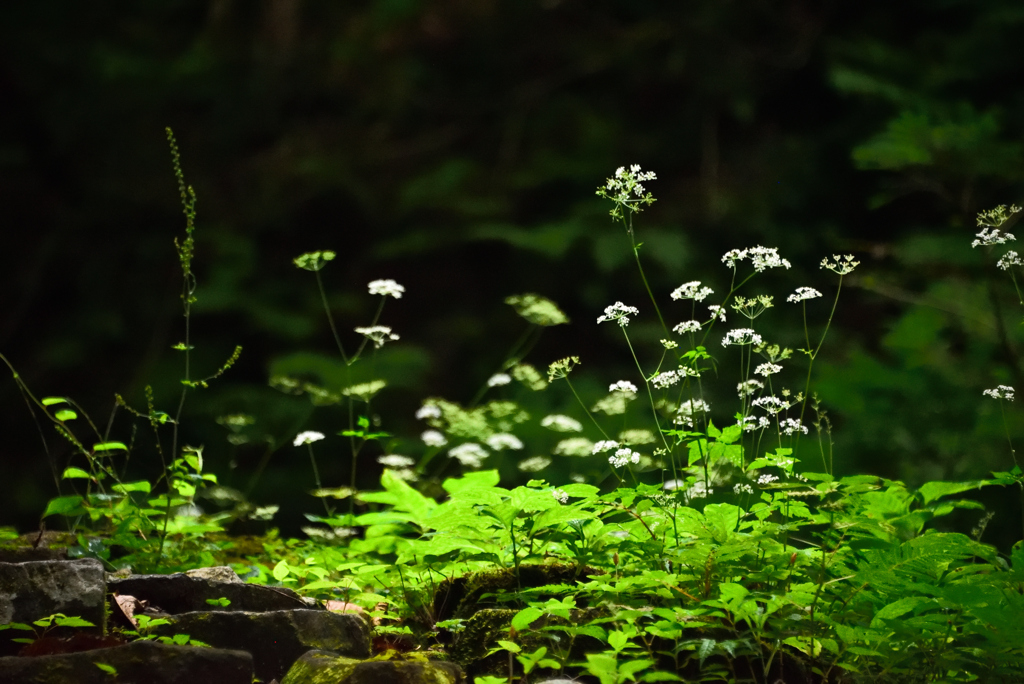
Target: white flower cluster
<point>1000,392</point>
<point>692,290</point>
<point>618,312</point>
<point>742,488</point>
<point>717,312</point>
<point>767,369</point>
<point>433,438</point>
<point>560,423</point>
<point>604,445</point>
<point>689,410</point>
<point>994,236</point>
<point>428,411</point>
<point>665,379</point>
<point>623,457</point>
<point>741,336</point>
<point>751,423</point>
<point>574,446</point>
<point>669,344</point>
<point>803,293</point>
<point>791,426</point>
<point>622,386</point>
<point>560,495</point>
<point>761,258</point>
<point>499,379</point>
<point>686,327</point>
<point>766,480</point>
<point>469,454</point>
<point>395,461</point>
<point>771,404</point>
<point>749,387</point>
<point>378,333</point>
<point>1009,259</point>
<point>634,176</point>
<point>534,464</point>
<point>699,491</point>
<point>307,437</point>
<point>504,440</point>
<point>386,288</point>
<point>841,265</point>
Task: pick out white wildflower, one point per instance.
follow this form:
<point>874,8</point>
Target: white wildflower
<point>751,423</point>
<point>689,410</point>
<point>433,438</point>
<point>574,446</point>
<point>741,336</point>
<point>307,437</point>
<point>386,288</point>
<point>1000,392</point>
<point>742,488</point>
<point>560,423</point>
<point>791,426</point>
<point>534,464</point>
<point>994,236</point>
<point>771,404</point>
<point>692,290</point>
<point>618,312</point>
<point>499,379</point>
<point>665,379</point>
<point>767,369</point>
<point>560,495</point>
<point>623,457</point>
<point>428,411</point>
<point>686,327</point>
<point>622,386</point>
<point>469,454</point>
<point>803,293</point>
<point>766,480</point>
<point>504,440</point>
<point>734,255</point>
<point>604,445</point>
<point>717,312</point>
<point>840,265</point>
<point>395,461</point>
<point>669,344</point>
<point>749,387</point>
<point>1009,259</point>
<point>762,258</point>
<point>699,490</point>
<point>378,333</point>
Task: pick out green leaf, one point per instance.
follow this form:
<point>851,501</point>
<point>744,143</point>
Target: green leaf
<point>931,491</point>
<point>109,446</point>
<point>898,608</point>
<point>72,621</point>
<point>64,505</point>
<point>73,473</point>
<point>140,486</point>
<point>65,414</point>
<point>525,618</point>
<point>50,401</point>
<point>280,571</point>
<point>109,669</point>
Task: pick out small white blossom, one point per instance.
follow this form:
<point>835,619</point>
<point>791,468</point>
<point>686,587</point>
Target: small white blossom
<point>433,438</point>
<point>618,312</point>
<point>1000,392</point>
<point>623,457</point>
<point>771,404</point>
<point>669,344</point>
<point>761,258</point>
<point>692,290</point>
<point>751,423</point>
<point>688,372</point>
<point>395,461</point>
<point>378,333</point>
<point>994,236</point>
<point>504,440</point>
<point>560,423</point>
<point>560,495</point>
<point>386,288</point>
<point>742,488</point>
<point>741,336</point>
<point>767,369</point>
<point>307,437</point>
<point>686,327</point>
<point>1009,259</point>
<point>749,387</point>
<point>699,490</point>
<point>499,379</point>
<point>665,379</point>
<point>791,426</point>
<point>604,445</point>
<point>717,312</point>
<point>622,386</point>
<point>766,479</point>
<point>428,411</point>
<point>841,265</point>
<point>574,446</point>
<point>803,293</point>
<point>690,409</point>
<point>734,255</point>
<point>534,464</point>
<point>469,454</point>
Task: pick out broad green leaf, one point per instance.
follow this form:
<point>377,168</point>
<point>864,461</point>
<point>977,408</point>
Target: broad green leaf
<point>65,414</point>
<point>280,571</point>
<point>50,401</point>
<point>525,618</point>
<point>72,473</point>
<point>140,486</point>
<point>931,491</point>
<point>109,669</point>
<point>479,479</point>
<point>64,505</point>
<point>898,608</point>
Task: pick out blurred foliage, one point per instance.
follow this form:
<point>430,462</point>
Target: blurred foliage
<point>454,145</point>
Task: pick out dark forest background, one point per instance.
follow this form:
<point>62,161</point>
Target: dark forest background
<point>455,146</point>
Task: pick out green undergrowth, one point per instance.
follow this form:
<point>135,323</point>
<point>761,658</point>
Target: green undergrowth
<point>680,542</point>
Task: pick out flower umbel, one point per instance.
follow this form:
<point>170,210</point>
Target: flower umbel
<point>626,190</point>
<point>803,294</point>
<point>618,312</point>
<point>841,265</point>
<point>1000,392</point>
<point>379,334</point>
<point>386,288</point>
<point>307,437</point>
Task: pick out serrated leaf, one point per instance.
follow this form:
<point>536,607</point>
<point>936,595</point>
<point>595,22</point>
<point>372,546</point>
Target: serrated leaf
<point>525,618</point>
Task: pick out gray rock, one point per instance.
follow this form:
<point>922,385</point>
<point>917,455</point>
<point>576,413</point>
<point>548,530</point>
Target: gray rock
<point>23,554</point>
<point>278,638</point>
<point>140,661</point>
<point>321,666</point>
<point>36,589</point>
<point>180,593</point>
